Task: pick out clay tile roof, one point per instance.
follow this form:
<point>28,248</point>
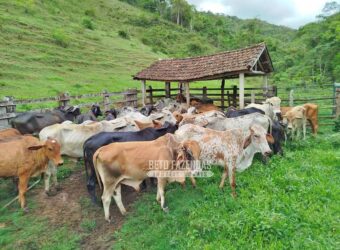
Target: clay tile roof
<point>221,65</point>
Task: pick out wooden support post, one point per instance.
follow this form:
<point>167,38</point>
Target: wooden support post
<point>180,88</point>
<point>204,92</point>
<point>229,102</point>
<point>106,100</point>
<point>222,94</point>
<point>241,89</point>
<point>265,86</point>
<point>167,90</point>
<point>252,96</point>
<point>187,93</point>
<point>291,98</point>
<point>234,96</point>
<point>143,89</point>
<point>150,95</point>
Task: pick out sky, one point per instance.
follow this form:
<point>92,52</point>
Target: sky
<point>291,13</point>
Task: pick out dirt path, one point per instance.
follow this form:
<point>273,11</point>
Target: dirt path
<point>71,206</point>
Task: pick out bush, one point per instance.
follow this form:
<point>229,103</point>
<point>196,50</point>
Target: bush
<point>60,38</point>
<point>123,34</point>
<point>87,23</point>
<point>195,48</point>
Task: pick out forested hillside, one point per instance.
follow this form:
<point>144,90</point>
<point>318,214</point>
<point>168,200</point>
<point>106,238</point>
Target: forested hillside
<point>87,46</point>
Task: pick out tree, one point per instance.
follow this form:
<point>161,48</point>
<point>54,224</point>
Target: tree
<point>329,9</point>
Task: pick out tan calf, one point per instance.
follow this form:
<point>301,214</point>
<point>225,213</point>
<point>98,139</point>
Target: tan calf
<point>26,156</point>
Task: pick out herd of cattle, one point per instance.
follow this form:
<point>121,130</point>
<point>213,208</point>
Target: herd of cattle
<point>121,148</point>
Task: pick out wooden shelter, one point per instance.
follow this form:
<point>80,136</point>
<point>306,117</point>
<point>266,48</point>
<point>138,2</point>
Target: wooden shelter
<point>240,63</point>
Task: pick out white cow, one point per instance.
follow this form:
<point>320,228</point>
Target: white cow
<point>231,148</point>
<point>71,138</point>
<point>221,123</point>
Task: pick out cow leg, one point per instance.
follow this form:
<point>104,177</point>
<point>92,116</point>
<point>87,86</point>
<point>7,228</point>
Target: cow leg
<point>224,175</point>
<point>55,177</point>
<point>233,181</point>
<point>23,182</point>
<point>117,195</point>
<point>106,198</point>
<point>161,192</point>
<point>304,129</point>
<point>193,181</point>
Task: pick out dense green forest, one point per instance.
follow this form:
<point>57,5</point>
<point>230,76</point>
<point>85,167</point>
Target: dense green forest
<point>87,46</point>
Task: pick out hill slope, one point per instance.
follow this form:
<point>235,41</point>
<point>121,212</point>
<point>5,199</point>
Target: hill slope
<point>86,46</point>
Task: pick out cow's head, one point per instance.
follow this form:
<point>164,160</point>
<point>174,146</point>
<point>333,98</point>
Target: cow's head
<point>96,110</point>
<point>293,116</point>
<point>51,150</point>
<point>258,140</point>
<point>187,154</point>
<point>178,116</point>
<point>275,102</point>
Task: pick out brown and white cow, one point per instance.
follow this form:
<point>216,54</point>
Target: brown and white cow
<point>26,156</point>
<point>10,132</point>
<point>231,148</point>
<point>130,163</point>
<point>296,121</point>
<point>311,115</point>
<point>142,125</point>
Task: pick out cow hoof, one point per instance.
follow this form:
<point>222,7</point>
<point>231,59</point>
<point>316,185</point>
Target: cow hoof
<point>50,193</point>
<point>124,213</point>
<point>109,220</point>
<point>26,210</point>
<point>166,209</point>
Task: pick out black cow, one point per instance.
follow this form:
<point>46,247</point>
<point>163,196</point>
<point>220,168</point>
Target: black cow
<point>104,138</point>
<point>233,112</point>
<point>278,132</point>
<point>33,122</point>
<point>92,115</point>
<point>110,114</point>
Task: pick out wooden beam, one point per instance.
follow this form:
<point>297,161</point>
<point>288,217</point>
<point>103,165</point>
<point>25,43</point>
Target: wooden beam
<point>143,89</point>
<point>187,93</point>
<point>241,90</point>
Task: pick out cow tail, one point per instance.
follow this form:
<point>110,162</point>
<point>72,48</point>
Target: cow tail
<point>95,158</point>
<point>85,164</point>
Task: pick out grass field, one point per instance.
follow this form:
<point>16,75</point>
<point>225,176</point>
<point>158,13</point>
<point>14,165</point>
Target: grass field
<point>291,203</point>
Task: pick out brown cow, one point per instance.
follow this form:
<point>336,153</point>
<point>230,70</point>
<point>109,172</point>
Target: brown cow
<point>311,115</point>
<point>10,132</point>
<point>26,156</point>
<point>130,163</point>
<point>143,125</point>
<point>203,107</point>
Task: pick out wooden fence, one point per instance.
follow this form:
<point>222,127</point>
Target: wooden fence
<point>328,99</point>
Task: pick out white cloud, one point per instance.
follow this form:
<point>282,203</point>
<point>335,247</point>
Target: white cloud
<point>292,13</point>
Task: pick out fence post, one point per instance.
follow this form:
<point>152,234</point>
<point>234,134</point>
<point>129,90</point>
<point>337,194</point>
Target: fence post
<point>291,98</point>
<point>235,96</point>
<point>275,90</point>
<point>228,95</point>
<point>130,97</point>
<point>150,95</point>
<point>106,100</point>
<point>252,100</point>
<point>222,94</point>
<point>204,92</point>
<point>337,100</point>
<point>7,111</point>
<point>167,90</point>
<point>63,99</point>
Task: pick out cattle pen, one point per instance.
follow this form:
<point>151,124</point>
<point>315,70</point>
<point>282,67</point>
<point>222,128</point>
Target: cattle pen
<point>326,96</point>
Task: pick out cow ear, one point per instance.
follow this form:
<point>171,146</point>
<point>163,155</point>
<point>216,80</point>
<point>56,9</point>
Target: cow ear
<point>36,147</point>
<point>247,142</point>
<point>270,138</point>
